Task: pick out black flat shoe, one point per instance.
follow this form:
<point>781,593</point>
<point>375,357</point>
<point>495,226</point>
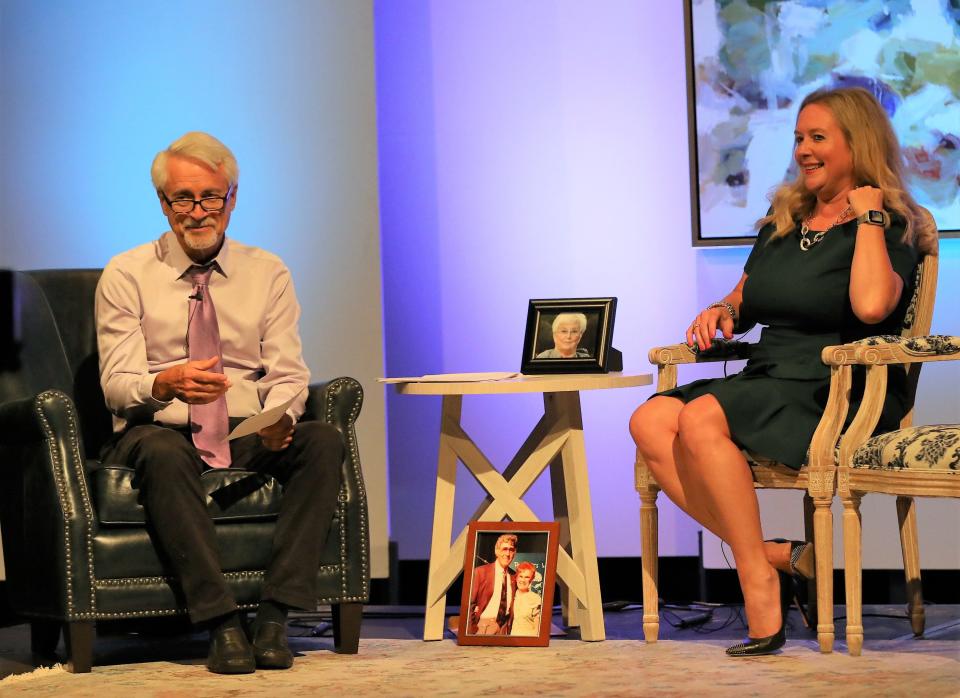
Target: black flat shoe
<point>802,561</point>
<point>270,646</point>
<point>230,652</point>
<point>755,647</point>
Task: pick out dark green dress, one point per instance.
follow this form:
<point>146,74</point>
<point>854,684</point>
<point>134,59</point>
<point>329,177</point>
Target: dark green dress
<point>774,404</point>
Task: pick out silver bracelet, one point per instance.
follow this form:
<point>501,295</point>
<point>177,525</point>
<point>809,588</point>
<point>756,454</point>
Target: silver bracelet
<point>729,307</point>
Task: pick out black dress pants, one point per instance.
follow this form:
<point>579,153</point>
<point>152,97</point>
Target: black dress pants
<point>168,479</point>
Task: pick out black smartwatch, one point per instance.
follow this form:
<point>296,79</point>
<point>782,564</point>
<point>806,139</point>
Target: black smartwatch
<point>874,218</point>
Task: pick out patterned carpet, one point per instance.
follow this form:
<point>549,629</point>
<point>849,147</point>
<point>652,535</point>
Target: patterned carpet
<point>391,667</point>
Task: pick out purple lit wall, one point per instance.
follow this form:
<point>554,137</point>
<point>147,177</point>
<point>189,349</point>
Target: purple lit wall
<point>539,149</point>
<point>527,150</point>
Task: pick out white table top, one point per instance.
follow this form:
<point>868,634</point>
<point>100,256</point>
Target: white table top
<point>556,383</point>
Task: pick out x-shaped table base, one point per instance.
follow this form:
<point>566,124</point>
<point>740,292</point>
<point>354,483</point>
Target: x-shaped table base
<point>557,442</point>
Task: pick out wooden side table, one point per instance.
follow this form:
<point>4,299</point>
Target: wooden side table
<point>556,441</point>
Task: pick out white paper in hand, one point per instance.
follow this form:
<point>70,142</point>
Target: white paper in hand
<point>251,425</point>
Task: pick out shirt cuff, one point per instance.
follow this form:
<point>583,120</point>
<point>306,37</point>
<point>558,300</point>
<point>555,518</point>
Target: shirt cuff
<point>146,393</point>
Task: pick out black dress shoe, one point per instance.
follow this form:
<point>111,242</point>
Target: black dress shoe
<point>270,646</point>
<point>230,652</point>
<point>756,646</point>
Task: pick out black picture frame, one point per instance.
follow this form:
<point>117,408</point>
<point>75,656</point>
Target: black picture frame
<point>594,352</point>
<point>536,551</point>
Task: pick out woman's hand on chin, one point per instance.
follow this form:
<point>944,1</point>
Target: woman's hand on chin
<point>866,198</point>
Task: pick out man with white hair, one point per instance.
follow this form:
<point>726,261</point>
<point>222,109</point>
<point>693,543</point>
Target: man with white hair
<point>492,589</point>
<point>196,332</point>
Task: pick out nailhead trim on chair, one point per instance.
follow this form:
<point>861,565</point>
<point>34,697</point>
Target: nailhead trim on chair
<point>72,433</point>
<point>250,574</point>
<point>243,574</point>
<point>64,502</point>
<point>147,614</point>
<point>336,386</point>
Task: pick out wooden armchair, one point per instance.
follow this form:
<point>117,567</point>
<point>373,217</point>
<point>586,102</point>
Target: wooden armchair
<point>914,461</point>
<point>816,478</point>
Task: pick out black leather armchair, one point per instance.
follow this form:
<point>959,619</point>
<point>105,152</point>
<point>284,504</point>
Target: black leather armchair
<point>77,547</point>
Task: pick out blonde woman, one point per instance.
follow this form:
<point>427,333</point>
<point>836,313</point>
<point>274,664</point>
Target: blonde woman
<point>833,262</point>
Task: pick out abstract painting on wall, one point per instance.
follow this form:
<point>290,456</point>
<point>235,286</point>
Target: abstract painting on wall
<point>751,63</point>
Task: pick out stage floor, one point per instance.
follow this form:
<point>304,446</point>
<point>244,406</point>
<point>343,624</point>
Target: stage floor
<point>884,627</point>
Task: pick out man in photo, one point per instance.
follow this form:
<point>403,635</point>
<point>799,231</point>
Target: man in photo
<point>492,591</point>
<point>568,329</point>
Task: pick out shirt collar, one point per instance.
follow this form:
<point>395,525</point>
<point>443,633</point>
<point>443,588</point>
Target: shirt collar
<point>180,263</point>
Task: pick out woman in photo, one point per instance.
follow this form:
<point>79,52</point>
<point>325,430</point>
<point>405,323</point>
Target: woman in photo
<point>568,329</point>
<point>833,262</point>
<point>526,603</point>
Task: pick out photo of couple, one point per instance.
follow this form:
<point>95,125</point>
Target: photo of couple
<point>508,582</point>
<point>502,599</point>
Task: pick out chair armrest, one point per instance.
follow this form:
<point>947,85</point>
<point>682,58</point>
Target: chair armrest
<point>893,349</point>
<point>876,353</point>
<point>720,350</point>
<point>48,522</point>
<point>666,358</point>
<point>338,402</point>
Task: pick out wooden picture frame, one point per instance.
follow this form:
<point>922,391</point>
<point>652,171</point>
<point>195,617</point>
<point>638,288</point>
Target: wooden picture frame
<point>580,327</point>
<point>527,604</point>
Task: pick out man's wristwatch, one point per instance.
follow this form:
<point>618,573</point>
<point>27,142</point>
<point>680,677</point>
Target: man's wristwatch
<point>874,218</point>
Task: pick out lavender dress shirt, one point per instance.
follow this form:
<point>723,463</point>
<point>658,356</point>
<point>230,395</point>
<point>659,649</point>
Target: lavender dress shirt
<point>141,308</point>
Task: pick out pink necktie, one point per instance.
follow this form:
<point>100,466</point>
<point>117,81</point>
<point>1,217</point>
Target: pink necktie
<point>208,423</point>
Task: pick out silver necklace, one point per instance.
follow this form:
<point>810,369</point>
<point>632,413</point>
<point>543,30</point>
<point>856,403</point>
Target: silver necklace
<point>805,242</point>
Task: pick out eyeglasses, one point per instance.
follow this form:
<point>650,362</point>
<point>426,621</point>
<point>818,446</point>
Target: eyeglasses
<point>207,203</point>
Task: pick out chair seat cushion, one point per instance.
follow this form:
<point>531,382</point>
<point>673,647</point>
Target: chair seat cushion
<point>930,345</point>
<point>930,447</point>
<point>232,495</point>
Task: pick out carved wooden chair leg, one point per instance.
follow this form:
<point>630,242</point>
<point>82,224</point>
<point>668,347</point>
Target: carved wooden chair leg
<point>852,574</point>
<point>907,516</point>
<point>823,538</point>
<point>649,559</point>
<point>78,638</point>
<point>808,529</point>
<point>44,638</point>
<point>346,626</point>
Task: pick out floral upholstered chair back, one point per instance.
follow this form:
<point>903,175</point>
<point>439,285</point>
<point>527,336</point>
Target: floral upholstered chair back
<point>915,336</point>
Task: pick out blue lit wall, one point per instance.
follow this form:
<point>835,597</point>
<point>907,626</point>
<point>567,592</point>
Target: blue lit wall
<point>539,149</point>
<point>92,89</point>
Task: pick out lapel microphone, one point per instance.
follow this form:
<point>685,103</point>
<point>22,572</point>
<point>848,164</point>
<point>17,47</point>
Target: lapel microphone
<point>198,296</point>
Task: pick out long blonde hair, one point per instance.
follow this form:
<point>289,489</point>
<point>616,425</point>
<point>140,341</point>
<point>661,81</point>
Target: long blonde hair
<point>877,162</point>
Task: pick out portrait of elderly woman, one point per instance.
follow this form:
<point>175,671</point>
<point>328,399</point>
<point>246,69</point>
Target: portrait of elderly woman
<point>568,329</point>
<point>527,604</point>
